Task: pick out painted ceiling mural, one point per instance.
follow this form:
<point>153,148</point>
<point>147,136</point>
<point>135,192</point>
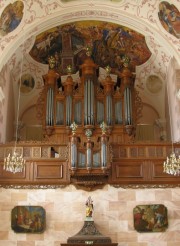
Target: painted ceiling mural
<point>169,17</point>
<point>109,44</point>
<point>11,17</point>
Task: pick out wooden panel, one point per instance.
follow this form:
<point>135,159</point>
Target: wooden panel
<point>115,152</point>
<point>40,172</point>
<point>127,170</point>
<point>132,164</point>
<point>158,174</point>
<point>36,152</point>
<point>24,176</point>
<point>45,171</point>
<point>49,170</point>
<point>141,152</point>
<point>133,152</point>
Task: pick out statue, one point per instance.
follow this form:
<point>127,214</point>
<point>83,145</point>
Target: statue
<point>103,127</point>
<point>73,126</point>
<point>89,207</point>
<point>52,62</point>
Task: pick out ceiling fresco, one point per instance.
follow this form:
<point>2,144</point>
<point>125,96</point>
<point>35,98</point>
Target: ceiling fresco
<point>11,17</point>
<point>109,44</point>
<point>169,17</point>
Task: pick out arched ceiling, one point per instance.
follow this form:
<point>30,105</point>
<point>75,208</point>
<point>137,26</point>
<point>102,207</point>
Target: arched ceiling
<point>141,18</point>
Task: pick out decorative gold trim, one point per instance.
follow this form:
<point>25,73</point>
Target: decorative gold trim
<point>90,186</point>
<point>146,186</point>
<point>32,186</point>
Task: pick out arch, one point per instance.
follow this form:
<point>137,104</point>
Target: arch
<point>70,15</point>
<point>151,109</point>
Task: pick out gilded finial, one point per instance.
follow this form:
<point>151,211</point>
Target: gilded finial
<point>73,126</point>
<point>108,69</point>
<point>52,62</point>
<point>88,51</point>
<point>103,127</point>
<point>88,133</point>
<point>126,60</point>
<point>69,69</point>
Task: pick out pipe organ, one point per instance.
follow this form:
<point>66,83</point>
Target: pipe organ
<point>89,114</point>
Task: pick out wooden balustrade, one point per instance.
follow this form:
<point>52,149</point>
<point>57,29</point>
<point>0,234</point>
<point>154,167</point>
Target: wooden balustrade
<point>134,165</point>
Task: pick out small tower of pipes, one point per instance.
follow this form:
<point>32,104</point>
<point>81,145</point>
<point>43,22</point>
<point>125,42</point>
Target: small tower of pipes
<point>50,84</point>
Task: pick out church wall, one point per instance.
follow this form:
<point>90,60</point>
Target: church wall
<point>174,109</point>
<point>10,118</point>
<point>7,108</point>
<point>113,215</point>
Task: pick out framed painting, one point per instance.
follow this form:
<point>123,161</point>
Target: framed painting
<point>11,17</point>
<point>150,218</point>
<point>27,83</point>
<point>28,219</point>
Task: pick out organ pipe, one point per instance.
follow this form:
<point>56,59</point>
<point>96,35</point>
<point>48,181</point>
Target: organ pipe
<point>47,109</point>
<point>68,110</point>
<point>126,88</point>
<point>50,82</point>
<point>104,140</point>
<point>100,112</point>
<point>50,107</point>
<point>108,88</point>
<point>109,110</point>
<point>73,151</point>
<point>88,73</point>
<point>78,112</point>
<point>73,147</point>
<point>89,154</point>
<point>118,112</point>
<point>89,102</point>
<point>128,106</point>
<point>68,86</point>
<point>59,113</point>
<point>103,155</point>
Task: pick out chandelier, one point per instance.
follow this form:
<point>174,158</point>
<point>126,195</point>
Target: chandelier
<point>15,163</point>
<point>172,165</point>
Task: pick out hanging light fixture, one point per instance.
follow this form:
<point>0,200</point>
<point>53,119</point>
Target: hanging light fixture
<point>172,163</point>
<point>15,163</point>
